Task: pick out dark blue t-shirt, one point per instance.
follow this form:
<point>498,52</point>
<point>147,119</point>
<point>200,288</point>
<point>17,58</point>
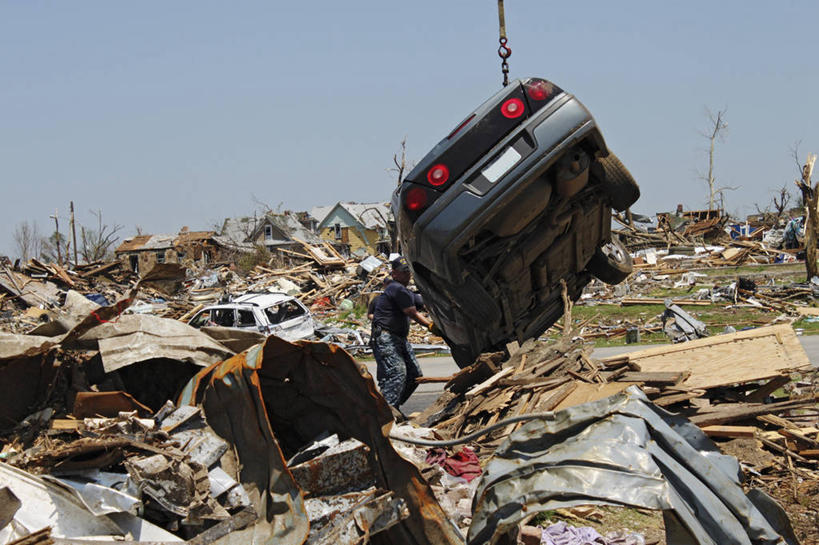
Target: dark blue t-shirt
<point>388,309</point>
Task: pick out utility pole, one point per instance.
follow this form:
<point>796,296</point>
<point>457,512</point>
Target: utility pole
<point>57,230</point>
<point>74,235</point>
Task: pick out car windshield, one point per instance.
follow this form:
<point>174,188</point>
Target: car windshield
<point>201,319</point>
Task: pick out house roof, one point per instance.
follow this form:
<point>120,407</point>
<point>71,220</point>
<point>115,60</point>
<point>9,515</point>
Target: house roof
<point>373,215</point>
<point>189,237</point>
<point>239,232</point>
<point>133,243</point>
<point>146,242</point>
<point>162,242</point>
<point>321,212</point>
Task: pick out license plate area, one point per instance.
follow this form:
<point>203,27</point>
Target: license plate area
<point>500,165</point>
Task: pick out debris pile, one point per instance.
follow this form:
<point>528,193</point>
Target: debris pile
<point>719,383</point>
<point>336,290</point>
<point>145,429</point>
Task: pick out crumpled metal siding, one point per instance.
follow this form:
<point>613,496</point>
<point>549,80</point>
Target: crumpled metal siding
<point>300,389</point>
<point>623,450</point>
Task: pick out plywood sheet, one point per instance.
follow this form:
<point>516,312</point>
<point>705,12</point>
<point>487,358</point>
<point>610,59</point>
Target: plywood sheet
<point>735,358</point>
<point>586,392</point>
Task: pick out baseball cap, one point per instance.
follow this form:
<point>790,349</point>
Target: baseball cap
<point>400,264</point>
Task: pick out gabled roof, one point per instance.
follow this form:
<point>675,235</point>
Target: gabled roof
<point>239,233</point>
<point>321,212</point>
<point>373,215</point>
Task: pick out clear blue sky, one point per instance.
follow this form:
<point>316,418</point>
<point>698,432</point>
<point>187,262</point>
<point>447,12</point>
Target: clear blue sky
<point>164,114</point>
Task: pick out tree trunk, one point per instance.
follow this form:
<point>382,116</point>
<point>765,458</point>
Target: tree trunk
<point>811,217</point>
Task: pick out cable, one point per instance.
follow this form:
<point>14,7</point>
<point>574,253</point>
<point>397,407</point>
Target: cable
<point>467,438</point>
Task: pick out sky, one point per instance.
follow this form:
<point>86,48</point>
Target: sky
<point>170,114</point>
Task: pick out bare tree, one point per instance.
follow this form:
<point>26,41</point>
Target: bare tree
<point>794,149</point>
<point>27,240</point>
<point>782,204</point>
<point>779,203</point>
<point>400,164</point>
<point>50,247</point>
<point>97,243</point>
<point>715,131</point>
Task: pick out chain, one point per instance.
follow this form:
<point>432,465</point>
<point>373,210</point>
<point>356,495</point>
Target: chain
<point>504,51</point>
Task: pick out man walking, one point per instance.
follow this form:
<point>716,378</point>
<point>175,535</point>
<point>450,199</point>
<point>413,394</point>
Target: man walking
<point>392,311</point>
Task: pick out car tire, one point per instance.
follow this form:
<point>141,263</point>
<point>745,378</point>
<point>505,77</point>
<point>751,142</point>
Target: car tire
<point>611,263</point>
<point>618,182</point>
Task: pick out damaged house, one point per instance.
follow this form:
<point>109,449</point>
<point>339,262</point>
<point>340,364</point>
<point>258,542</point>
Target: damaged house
<point>277,233</point>
<point>362,227</point>
<point>142,252</point>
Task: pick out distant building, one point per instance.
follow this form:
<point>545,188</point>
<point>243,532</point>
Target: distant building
<point>142,252</point>
<point>362,227</point>
<point>285,231</point>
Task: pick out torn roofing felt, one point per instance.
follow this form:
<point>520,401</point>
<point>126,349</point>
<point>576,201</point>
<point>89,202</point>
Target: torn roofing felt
<point>278,396</point>
<point>623,450</point>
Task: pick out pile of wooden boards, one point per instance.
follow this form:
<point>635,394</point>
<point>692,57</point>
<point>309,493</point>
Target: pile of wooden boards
<point>715,381</point>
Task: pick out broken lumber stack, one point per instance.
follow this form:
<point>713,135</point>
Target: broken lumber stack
<point>714,381</point>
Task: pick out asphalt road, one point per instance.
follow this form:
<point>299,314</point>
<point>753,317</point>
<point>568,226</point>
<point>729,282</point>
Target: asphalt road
<point>439,366</point>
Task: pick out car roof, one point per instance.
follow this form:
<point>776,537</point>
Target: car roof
<point>263,299</point>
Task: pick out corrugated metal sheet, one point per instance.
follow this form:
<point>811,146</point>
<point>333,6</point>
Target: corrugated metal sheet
<point>277,397</point>
<point>624,450</point>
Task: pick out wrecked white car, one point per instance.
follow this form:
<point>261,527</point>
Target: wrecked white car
<point>268,313</point>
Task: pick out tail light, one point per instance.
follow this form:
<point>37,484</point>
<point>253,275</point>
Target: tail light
<point>512,108</point>
<point>417,198</point>
<point>438,175</point>
<point>539,92</point>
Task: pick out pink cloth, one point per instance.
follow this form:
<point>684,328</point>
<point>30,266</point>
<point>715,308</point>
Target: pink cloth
<point>463,463</point>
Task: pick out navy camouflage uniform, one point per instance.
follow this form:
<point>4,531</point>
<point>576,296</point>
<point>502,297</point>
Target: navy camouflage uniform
<point>397,367</point>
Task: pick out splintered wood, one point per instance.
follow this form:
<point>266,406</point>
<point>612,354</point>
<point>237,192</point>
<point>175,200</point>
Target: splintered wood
<point>714,381</point>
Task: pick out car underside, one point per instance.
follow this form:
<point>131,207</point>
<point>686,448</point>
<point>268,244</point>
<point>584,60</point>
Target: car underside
<point>500,274</point>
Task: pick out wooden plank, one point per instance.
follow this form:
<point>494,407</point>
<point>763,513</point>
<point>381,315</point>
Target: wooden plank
<point>759,395</point>
<point>783,450</point>
<point>485,385</point>
<point>809,453</point>
<point>65,424</point>
<point>425,380</point>
<point>778,421</point>
<point>656,377</point>
<point>584,393</point>
<point>736,358</point>
<point>666,400</point>
<point>100,269</point>
<point>801,437</point>
<point>733,432</point>
<point>741,411</point>
<point>555,398</point>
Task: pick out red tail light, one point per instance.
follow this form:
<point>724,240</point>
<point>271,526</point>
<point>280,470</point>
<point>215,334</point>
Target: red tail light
<point>512,108</point>
<point>415,199</point>
<point>539,89</point>
<point>438,175</point>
